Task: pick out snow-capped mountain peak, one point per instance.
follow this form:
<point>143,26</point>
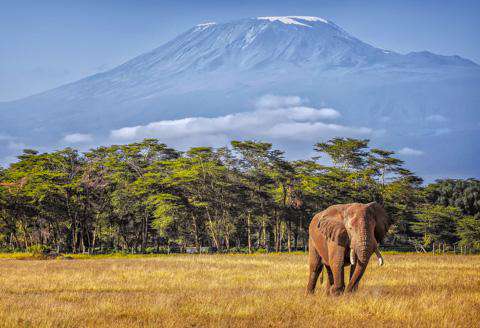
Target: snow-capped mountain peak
<point>204,26</point>
<point>207,24</point>
<point>294,20</point>
<point>251,45</point>
<point>217,69</point>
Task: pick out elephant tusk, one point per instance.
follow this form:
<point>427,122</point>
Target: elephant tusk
<point>352,257</point>
<point>379,256</point>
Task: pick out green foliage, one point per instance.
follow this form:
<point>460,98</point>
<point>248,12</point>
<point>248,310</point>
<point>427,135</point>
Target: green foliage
<point>145,197</point>
<point>437,223</point>
<point>347,152</point>
<point>469,231</point>
<point>463,194</point>
<point>38,250</point>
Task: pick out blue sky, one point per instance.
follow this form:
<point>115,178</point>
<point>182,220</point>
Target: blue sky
<point>48,43</point>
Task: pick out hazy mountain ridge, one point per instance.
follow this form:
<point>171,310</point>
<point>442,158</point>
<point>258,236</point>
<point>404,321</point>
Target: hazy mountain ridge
<point>246,45</point>
<point>215,69</point>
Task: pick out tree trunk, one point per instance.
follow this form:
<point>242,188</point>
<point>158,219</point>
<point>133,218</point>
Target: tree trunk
<point>212,231</point>
<point>89,240</point>
<point>280,244</point>
<point>249,233</point>
<point>227,242</point>
<point>144,232</point>
<point>74,235</point>
<point>82,244</point>
<point>289,236</point>
<point>277,233</point>
<point>264,232</point>
<point>94,239</point>
<point>195,233</point>
<point>25,234</point>
<point>295,235</point>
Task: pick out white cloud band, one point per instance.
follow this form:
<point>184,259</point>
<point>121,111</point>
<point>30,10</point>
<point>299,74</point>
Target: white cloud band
<point>407,151</point>
<point>275,117</point>
<point>77,138</point>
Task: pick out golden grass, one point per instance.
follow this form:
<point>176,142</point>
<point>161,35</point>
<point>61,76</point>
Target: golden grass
<point>235,291</point>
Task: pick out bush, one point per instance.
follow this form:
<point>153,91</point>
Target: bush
<point>38,250</point>
<point>9,249</point>
<point>155,250</point>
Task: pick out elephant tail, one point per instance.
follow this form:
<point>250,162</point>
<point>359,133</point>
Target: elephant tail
<point>321,277</point>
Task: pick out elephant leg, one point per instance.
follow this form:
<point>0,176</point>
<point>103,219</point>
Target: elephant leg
<point>352,270</point>
<point>330,280</point>
<point>315,269</point>
<point>336,258</point>
<point>357,275</point>
<point>338,280</point>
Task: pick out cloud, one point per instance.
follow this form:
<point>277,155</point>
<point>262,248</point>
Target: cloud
<point>272,101</point>
<point>410,152</point>
<point>436,118</point>
<point>308,130</point>
<point>77,138</point>
<point>274,118</point>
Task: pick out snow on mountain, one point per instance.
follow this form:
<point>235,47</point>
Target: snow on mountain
<point>276,43</point>
<point>216,69</point>
<point>294,19</point>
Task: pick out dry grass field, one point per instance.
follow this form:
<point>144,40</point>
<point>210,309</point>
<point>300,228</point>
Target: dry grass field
<point>235,291</point>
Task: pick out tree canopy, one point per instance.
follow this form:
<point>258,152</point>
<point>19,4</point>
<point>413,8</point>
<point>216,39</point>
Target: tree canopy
<point>148,197</point>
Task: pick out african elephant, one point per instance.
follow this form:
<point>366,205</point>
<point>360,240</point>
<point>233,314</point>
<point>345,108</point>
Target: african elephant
<point>342,235</point>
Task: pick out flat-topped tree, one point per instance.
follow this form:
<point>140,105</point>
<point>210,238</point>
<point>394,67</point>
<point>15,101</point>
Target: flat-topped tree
<point>347,153</point>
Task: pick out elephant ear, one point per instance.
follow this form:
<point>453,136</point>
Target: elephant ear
<point>382,221</point>
<point>334,230</point>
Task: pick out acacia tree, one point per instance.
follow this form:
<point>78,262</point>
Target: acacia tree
<point>348,153</point>
<point>253,162</point>
<point>282,174</point>
<point>43,197</point>
<point>437,224</point>
<point>402,196</point>
<point>142,196</point>
<point>469,231</point>
<point>384,163</point>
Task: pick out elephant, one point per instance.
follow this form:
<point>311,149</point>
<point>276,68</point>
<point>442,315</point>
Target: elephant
<point>342,235</point>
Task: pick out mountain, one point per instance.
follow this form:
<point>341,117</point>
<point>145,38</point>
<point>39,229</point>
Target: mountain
<point>415,100</point>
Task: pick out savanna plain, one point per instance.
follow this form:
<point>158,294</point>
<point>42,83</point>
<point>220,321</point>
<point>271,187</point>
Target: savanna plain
<point>264,290</point>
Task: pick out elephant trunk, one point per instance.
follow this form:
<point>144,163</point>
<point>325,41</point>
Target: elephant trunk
<point>360,253</point>
<point>363,248</point>
<point>363,255</point>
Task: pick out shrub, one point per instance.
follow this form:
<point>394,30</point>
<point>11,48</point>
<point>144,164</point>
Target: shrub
<point>38,250</point>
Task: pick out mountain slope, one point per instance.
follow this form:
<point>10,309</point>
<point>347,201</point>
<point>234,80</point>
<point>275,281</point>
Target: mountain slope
<point>246,45</point>
<point>216,69</point>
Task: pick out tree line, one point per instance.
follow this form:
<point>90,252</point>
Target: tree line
<point>148,197</point>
